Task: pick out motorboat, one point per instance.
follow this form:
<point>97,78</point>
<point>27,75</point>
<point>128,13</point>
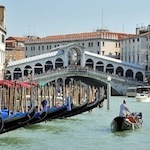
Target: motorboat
<point>143,97</point>
<point>143,94</point>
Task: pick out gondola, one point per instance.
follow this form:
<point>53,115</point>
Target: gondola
<point>12,119</point>
<point>92,105</point>
<point>55,112</point>
<point>38,117</point>
<point>121,123</point>
<point>17,120</point>
<point>74,110</point>
<point>1,123</point>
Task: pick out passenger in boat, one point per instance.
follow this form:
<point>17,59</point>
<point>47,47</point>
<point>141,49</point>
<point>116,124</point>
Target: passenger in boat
<point>124,110</point>
<point>58,104</point>
<point>68,103</point>
<point>131,118</point>
<point>44,104</point>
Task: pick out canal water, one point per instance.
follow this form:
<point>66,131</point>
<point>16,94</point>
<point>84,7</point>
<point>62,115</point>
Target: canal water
<point>88,131</point>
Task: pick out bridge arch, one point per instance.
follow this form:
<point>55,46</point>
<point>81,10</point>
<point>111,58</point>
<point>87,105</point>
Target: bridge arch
<point>110,68</point>
<point>26,70</point>
<point>59,63</point>
<point>48,66</point>
<point>99,66</point>
<point>129,74</point>
<point>74,56</point>
<point>89,63</point>
<point>8,75</point>
<point>17,73</point>
<point>38,69</point>
<point>119,71</point>
<point>139,76</point>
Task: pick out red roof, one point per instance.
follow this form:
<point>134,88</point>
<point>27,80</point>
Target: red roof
<point>82,36</point>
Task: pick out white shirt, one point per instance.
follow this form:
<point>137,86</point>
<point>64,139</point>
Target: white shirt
<point>124,111</point>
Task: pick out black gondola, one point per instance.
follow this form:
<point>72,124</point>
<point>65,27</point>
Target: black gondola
<point>92,105</point>
<point>122,123</point>
<point>14,119</point>
<point>17,120</point>
<point>38,117</point>
<point>74,110</point>
<point>55,112</point>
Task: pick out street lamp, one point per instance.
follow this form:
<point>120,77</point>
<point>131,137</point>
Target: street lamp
<point>108,78</point>
<point>108,91</point>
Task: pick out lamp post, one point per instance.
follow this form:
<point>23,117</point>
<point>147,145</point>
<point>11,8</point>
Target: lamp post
<point>108,91</point>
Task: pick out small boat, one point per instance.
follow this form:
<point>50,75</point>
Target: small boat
<point>143,94</point>
<point>143,97</point>
<point>122,123</point>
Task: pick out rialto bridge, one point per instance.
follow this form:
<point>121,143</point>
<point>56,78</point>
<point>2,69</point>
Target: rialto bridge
<point>73,61</point>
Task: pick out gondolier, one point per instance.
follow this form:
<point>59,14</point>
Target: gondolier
<point>124,110</point>
<point>124,120</point>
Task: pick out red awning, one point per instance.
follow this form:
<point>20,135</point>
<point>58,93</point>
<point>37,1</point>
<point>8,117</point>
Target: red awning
<point>23,84</point>
<point>5,83</point>
<point>33,83</point>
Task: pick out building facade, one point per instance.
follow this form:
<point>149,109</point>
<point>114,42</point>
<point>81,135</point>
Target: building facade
<point>136,49</point>
<point>15,48</point>
<point>2,41</point>
<point>100,42</point>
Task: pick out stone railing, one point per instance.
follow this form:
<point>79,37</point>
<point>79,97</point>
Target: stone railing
<point>118,83</point>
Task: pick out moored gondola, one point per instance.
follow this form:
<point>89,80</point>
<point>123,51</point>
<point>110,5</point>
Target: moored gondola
<point>55,112</point>
<point>17,120</point>
<point>38,117</point>
<point>12,118</point>
<point>93,104</point>
<point>74,110</point>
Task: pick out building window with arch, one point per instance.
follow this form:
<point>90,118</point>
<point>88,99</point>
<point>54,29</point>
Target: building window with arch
<point>125,57</point>
<point>47,47</point>
<point>138,58</point>
<point>116,44</point>
<point>133,59</point>
<point>103,44</point>
<point>103,52</point>
<point>3,38</point>
<point>129,58</point>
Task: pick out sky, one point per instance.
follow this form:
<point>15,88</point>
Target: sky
<point>54,17</point>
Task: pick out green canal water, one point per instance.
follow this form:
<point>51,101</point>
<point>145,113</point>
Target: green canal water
<point>88,131</point>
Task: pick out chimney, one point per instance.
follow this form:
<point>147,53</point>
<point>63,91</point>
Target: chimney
<point>137,31</point>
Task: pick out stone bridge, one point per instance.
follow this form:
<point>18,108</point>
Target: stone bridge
<point>88,76</point>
